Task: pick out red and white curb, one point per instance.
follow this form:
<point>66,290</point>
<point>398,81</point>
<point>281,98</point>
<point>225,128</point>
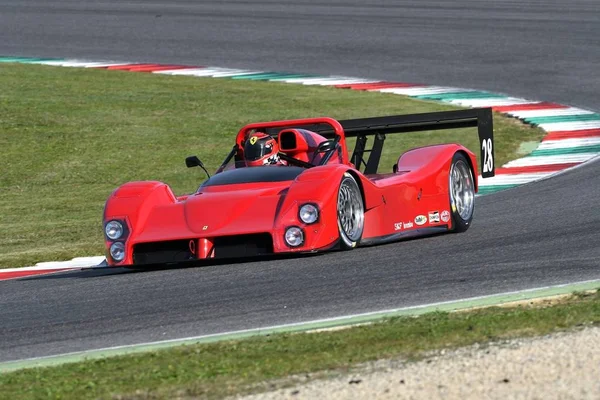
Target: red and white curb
<point>51,267</point>
<point>573,134</point>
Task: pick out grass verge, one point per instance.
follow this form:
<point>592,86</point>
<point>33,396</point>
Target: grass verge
<point>70,136</point>
<point>237,367</point>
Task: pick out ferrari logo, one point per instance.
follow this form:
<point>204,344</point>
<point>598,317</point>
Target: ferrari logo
<point>253,140</point>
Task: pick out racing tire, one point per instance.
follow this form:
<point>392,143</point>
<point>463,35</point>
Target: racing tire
<point>461,188</point>
<point>350,212</point>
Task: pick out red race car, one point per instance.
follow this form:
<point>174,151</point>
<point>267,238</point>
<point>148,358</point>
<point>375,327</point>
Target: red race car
<point>292,187</point>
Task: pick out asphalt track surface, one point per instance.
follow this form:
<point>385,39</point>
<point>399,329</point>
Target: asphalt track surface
<point>540,234</point>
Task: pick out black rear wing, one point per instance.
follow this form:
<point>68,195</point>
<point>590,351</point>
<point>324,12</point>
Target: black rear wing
<point>378,127</point>
<point>481,118</point>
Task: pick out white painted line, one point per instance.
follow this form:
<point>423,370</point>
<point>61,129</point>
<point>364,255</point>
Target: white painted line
<point>548,160</point>
<point>318,323</point>
<point>549,112</point>
<point>570,126</point>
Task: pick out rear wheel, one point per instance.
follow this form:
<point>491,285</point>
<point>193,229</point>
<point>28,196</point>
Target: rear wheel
<point>350,211</point>
<point>462,192</point>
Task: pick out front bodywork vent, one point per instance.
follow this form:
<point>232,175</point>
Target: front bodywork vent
<point>162,252</point>
<point>256,244</point>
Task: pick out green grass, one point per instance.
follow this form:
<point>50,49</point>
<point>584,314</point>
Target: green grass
<point>226,368</point>
<point>70,136</point>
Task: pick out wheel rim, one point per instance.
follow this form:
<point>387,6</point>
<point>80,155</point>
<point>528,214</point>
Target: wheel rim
<point>462,189</point>
<point>350,210</point>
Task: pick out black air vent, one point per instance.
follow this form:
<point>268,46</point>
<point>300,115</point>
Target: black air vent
<point>257,244</point>
<point>162,252</point>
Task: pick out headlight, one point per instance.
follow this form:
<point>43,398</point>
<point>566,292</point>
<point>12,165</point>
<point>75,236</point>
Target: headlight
<point>309,213</point>
<point>113,230</point>
<point>294,236</point>
<point>117,251</point>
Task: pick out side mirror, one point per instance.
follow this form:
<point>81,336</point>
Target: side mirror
<point>193,161</point>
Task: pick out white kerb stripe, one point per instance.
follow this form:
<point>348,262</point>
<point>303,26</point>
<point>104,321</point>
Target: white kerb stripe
<point>191,71</point>
<point>316,79</point>
<point>548,160</point>
<point>549,112</point>
<point>421,91</point>
<point>567,143</point>
<point>169,71</point>
<point>80,64</point>
<point>208,71</point>
<point>104,64</point>
<point>491,102</point>
<point>517,179</point>
<point>228,74</point>
<point>341,82</point>
<point>570,126</point>
<point>78,262</point>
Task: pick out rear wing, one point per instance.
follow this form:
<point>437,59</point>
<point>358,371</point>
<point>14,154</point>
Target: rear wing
<point>378,127</point>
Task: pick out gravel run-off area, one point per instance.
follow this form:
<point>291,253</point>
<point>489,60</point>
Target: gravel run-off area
<point>560,366</point>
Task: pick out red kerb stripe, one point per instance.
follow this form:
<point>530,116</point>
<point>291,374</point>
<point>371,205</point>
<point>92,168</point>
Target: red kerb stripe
<point>532,169</point>
<point>584,133</point>
<point>21,274</point>
<point>376,85</point>
<point>522,107</point>
<point>153,68</point>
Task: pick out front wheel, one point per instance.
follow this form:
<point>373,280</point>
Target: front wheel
<point>350,211</point>
<point>462,192</point>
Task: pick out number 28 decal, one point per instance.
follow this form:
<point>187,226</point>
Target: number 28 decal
<point>488,158</point>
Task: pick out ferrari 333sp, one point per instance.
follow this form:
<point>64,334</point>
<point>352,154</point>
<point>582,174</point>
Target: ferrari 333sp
<point>292,187</point>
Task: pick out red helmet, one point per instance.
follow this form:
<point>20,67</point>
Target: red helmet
<point>261,149</point>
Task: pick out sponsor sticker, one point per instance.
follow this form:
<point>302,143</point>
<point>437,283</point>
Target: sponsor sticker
<point>445,216</point>
<point>434,217</point>
<point>398,226</point>
<point>420,220</point>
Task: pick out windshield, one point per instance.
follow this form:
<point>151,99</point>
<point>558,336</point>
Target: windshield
<point>269,173</point>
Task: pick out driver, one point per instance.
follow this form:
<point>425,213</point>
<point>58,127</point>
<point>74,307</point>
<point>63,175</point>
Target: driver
<point>261,149</point>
